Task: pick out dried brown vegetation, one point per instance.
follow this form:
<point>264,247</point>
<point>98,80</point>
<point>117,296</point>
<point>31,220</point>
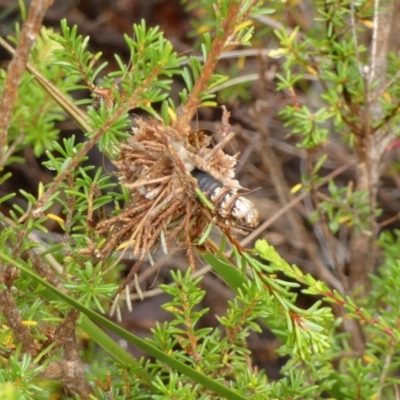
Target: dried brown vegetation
<point>155,165</point>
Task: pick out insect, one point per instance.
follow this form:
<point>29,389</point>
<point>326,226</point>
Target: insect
<point>228,203</point>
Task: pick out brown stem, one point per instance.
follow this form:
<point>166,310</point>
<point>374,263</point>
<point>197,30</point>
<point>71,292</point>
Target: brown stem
<point>370,149</point>
<point>14,319</point>
<point>232,20</point>
<point>17,65</point>
<point>37,209</point>
<point>70,370</point>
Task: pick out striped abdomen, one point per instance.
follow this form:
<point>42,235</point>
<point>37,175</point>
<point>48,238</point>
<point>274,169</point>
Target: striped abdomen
<point>227,202</point>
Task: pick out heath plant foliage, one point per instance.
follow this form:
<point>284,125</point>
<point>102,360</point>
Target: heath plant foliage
<point>175,184</point>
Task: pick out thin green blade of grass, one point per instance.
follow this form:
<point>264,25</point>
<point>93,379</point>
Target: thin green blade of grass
<point>130,338</point>
<point>108,344</point>
<point>114,349</point>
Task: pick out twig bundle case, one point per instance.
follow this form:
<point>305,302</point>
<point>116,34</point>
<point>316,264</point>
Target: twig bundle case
<point>163,168</point>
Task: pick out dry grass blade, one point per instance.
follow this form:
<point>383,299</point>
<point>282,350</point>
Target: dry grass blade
<point>64,101</point>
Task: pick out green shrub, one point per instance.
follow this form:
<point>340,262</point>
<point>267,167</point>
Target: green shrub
<point>343,346</point>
